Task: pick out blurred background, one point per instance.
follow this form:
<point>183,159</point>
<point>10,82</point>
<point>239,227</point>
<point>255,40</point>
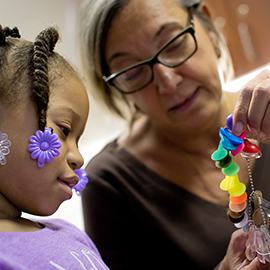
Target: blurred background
<point>244,23</point>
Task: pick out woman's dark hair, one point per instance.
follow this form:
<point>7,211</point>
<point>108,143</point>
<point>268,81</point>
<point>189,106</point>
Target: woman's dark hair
<point>25,68</point>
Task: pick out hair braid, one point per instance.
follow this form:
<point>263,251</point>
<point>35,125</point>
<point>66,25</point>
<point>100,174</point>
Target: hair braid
<point>5,32</point>
<point>43,47</point>
<point>2,36</point>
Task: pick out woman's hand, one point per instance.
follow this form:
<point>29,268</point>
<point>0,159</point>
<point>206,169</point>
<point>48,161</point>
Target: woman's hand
<point>252,110</point>
<point>235,258</point>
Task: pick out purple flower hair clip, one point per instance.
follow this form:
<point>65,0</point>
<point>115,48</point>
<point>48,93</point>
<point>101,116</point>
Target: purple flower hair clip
<point>4,147</point>
<point>83,180</point>
<point>44,146</point>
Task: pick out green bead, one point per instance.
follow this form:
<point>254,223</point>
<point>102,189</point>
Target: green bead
<point>225,162</point>
<point>231,170</point>
<point>220,153</point>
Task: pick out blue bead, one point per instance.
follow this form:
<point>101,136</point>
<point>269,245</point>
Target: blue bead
<point>232,138</point>
<point>225,142</point>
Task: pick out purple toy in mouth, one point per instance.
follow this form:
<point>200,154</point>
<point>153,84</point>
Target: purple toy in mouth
<point>83,180</point>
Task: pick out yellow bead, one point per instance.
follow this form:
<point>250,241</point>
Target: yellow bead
<point>238,190</point>
<point>229,182</point>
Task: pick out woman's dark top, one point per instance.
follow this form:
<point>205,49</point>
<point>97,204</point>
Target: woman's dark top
<point>139,220</point>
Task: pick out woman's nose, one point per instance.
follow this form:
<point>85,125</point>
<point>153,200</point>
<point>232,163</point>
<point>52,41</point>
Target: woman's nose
<point>75,159</point>
<point>166,79</point>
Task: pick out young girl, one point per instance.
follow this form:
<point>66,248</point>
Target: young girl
<point>43,112</point>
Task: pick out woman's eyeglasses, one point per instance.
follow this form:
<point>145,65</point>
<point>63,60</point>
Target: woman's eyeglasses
<point>172,54</point>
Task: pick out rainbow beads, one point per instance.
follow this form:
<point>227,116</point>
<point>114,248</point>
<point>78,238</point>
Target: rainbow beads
<point>253,219</point>
<point>229,146</point>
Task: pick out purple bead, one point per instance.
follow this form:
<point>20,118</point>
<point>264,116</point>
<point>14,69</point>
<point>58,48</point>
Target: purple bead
<point>44,146</point>
<point>229,122</point>
<point>83,180</point>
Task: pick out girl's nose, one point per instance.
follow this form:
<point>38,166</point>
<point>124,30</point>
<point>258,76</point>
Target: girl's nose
<point>75,159</point>
<point>166,79</point>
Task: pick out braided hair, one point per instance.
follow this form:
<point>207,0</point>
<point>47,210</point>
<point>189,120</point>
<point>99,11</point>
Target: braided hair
<point>43,47</point>
<point>8,32</point>
<point>27,69</point>
<point>9,67</point>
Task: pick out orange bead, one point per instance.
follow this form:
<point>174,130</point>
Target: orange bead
<point>239,199</point>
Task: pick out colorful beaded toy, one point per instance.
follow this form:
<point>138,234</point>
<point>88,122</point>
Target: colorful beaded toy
<point>244,211</point>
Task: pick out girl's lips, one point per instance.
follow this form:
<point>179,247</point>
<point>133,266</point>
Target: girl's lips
<point>186,102</point>
<point>71,182</point>
<point>67,185</point>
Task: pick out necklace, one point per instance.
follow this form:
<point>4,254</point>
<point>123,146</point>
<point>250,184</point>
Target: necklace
<point>245,211</point>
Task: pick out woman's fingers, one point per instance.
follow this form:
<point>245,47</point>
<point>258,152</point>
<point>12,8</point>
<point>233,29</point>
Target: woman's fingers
<point>256,265</point>
<point>252,110</point>
<point>241,110</point>
<point>265,127</point>
<point>235,258</point>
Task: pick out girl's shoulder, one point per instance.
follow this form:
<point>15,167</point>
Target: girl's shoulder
<point>59,244</point>
<point>67,230</point>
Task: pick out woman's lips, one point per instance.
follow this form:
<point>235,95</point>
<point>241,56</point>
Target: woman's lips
<point>186,103</point>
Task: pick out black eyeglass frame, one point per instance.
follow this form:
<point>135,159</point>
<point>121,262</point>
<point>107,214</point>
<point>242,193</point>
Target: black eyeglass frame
<point>154,59</point>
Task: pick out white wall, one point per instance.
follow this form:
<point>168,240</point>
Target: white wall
<point>31,17</point>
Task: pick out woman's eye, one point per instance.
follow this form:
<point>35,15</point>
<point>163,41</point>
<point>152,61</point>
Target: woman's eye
<point>133,74</point>
<point>65,130</point>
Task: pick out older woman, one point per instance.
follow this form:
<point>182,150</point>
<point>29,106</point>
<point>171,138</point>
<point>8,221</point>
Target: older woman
<point>153,200</point>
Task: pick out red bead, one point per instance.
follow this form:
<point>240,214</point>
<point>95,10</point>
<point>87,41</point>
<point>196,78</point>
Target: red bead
<point>250,147</point>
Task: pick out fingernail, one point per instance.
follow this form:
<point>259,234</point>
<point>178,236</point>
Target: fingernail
<point>238,128</point>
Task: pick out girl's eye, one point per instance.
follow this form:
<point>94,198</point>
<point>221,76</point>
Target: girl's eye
<point>65,130</point>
